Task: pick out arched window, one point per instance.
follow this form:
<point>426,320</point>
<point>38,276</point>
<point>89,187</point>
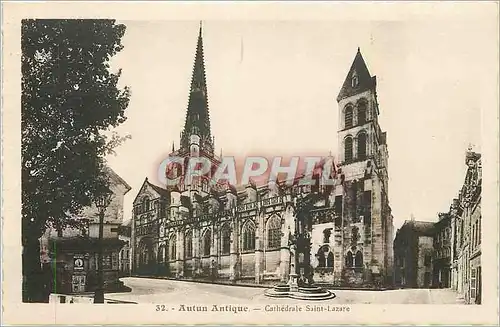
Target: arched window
<point>226,239</point>
<point>329,260</point>
<point>361,145</point>
<point>349,260</point>
<point>325,257</point>
<point>326,235</point>
<point>172,247</point>
<point>361,113</point>
<point>207,242</point>
<point>358,261</point>
<point>161,254</point>
<point>348,117</point>
<point>188,245</point>
<point>348,149</point>
<point>249,236</point>
<point>321,258</point>
<point>145,255</point>
<point>145,204</point>
<point>273,233</point>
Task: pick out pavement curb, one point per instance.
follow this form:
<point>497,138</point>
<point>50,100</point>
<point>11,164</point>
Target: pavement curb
<point>329,287</point>
<point>204,281</point>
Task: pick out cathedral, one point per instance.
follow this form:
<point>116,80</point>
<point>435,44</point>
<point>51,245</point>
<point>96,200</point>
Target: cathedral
<point>242,233</point>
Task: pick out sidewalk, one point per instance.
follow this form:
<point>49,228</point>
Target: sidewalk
<point>268,283</point>
<point>83,299</point>
<point>204,281</point>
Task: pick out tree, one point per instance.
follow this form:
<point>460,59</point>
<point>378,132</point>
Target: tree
<point>70,101</point>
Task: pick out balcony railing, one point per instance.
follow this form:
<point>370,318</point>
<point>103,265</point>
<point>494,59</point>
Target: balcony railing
<point>323,270</point>
<point>184,221</point>
<point>247,206</point>
<point>224,213</point>
<point>271,201</point>
<point>323,216</point>
<point>147,229</point>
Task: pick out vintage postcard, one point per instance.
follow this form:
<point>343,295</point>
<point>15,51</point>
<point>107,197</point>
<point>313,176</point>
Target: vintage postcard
<point>250,163</point>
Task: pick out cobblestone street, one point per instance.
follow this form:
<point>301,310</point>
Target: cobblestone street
<point>161,291</point>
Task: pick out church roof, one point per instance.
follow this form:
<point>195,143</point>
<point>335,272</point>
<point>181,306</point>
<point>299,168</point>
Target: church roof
<point>424,228</point>
<point>113,175</point>
<point>160,190</point>
<point>197,115</point>
<point>364,80</point>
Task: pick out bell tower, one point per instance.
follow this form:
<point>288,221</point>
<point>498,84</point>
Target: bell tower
<point>367,240</point>
<point>360,137</point>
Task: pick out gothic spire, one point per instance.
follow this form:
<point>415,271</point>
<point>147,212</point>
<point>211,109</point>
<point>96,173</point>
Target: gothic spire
<point>197,115</point>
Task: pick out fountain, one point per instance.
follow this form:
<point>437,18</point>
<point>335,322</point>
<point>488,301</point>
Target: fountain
<point>300,284</point>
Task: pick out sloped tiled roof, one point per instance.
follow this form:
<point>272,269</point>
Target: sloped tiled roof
<point>186,201</point>
<point>163,192</point>
<point>117,177</point>
<point>419,227</point>
<point>423,227</point>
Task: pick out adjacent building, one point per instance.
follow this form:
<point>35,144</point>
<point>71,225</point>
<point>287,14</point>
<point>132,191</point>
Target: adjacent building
<point>241,233</point>
<point>70,254</point>
<point>125,257</point>
<point>454,242</point>
<point>413,252</point>
<point>466,238</point>
<point>441,276</point>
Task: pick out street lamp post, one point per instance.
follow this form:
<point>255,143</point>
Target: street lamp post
<point>101,203</point>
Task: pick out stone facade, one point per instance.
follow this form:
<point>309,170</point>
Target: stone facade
<point>466,237</point>
<point>413,251</point>
<point>442,252</point>
<point>456,242</point>
<point>124,256</point>
<point>241,233</point>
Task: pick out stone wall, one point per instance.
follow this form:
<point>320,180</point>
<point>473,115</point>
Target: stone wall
<point>272,261</point>
<point>424,261</point>
<point>248,265</point>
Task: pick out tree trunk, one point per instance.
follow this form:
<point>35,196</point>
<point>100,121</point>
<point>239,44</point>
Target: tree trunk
<point>33,281</point>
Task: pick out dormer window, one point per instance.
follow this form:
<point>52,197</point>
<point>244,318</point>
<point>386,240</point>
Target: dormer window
<point>354,80</point>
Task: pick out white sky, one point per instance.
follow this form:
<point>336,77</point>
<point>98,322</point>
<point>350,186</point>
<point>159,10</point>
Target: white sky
<point>277,94</point>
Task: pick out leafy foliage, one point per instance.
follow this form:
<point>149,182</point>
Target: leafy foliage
<point>69,99</point>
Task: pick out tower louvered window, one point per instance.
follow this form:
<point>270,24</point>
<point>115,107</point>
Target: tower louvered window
<point>362,146</point>
<point>361,113</point>
<point>348,149</point>
<point>348,117</point>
